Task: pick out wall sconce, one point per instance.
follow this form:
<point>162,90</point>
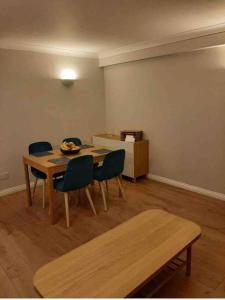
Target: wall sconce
<point>68,76</point>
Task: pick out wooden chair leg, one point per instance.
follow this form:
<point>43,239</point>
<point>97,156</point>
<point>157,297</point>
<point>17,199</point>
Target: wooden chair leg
<point>44,193</point>
<point>66,197</point>
<point>90,200</point>
<point>35,184</point>
<point>103,195</point>
<point>121,188</point>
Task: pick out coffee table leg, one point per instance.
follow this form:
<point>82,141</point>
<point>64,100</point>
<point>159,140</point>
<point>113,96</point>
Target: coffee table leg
<point>27,178</point>
<point>188,261</point>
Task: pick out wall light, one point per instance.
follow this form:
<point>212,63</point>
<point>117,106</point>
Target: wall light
<point>68,76</point>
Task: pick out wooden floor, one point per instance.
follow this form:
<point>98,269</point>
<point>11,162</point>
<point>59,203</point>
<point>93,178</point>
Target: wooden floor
<point>27,240</point>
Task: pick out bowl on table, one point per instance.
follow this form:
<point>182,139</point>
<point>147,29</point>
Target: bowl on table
<point>69,148</point>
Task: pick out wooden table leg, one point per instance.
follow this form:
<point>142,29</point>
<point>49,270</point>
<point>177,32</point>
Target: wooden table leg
<point>188,261</point>
<point>51,199</point>
<point>27,178</point>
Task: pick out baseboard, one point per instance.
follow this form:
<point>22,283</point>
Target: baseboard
<point>169,181</point>
<point>15,189</point>
<point>187,187</point>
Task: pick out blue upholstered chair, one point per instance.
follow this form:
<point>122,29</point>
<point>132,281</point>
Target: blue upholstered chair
<point>112,167</point>
<point>36,148</point>
<point>39,147</point>
<point>75,140</point>
<point>79,174</point>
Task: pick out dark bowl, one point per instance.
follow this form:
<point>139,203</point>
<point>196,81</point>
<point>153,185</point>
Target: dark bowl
<point>70,152</point>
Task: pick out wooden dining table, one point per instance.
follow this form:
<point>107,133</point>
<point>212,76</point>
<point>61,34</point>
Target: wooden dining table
<point>44,164</point>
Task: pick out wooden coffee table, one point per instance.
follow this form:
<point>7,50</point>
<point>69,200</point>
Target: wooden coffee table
<point>120,261</point>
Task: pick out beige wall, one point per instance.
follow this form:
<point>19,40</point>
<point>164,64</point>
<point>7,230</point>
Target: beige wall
<point>34,105</point>
<point>179,102</point>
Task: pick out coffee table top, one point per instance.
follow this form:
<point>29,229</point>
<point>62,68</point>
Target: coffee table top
<point>117,262</point>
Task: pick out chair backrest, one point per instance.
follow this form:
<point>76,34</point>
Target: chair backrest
<point>75,140</point>
<point>79,173</point>
<point>113,164</point>
<point>39,147</point>
<point>35,148</point>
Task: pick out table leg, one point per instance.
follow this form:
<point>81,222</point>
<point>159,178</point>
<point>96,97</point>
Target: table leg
<point>27,178</point>
<point>51,199</point>
<point>188,261</point>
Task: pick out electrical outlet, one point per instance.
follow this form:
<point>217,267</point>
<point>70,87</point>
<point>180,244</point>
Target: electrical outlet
<point>4,176</point>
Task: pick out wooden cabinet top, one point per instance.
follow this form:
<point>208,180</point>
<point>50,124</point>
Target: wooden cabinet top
<point>108,136</point>
<point>114,137</point>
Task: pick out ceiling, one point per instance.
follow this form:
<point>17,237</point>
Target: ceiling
<point>98,26</point>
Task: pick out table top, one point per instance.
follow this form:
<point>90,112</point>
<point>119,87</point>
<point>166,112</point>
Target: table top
<point>117,262</point>
<point>42,163</point>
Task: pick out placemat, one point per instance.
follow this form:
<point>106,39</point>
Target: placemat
<point>85,146</point>
<point>59,161</point>
<point>102,151</point>
<point>44,153</point>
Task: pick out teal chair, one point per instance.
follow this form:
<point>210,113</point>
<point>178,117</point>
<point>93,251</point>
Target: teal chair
<point>39,147</point>
<point>112,167</point>
<point>79,174</point>
<point>74,140</point>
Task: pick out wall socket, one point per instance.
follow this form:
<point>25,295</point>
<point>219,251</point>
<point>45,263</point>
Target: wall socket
<point>4,176</point>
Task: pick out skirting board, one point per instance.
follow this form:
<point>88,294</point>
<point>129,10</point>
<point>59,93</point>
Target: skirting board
<point>15,189</point>
<point>172,182</point>
<point>187,187</point>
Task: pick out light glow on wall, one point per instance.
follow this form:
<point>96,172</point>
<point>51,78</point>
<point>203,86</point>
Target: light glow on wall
<point>68,74</point>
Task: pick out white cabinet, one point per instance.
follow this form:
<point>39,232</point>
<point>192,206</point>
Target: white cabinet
<point>136,159</point>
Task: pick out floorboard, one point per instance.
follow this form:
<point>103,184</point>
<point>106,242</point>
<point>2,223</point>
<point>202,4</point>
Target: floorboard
<point>27,240</point>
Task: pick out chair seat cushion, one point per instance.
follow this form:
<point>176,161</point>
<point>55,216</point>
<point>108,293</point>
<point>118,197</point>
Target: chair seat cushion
<point>60,174</point>
<point>98,174</point>
<point>38,174</point>
<point>58,184</point>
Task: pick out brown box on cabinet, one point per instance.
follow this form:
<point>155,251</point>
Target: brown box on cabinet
<point>137,134</point>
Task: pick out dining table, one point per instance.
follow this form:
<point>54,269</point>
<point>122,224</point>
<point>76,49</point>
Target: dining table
<point>53,162</point>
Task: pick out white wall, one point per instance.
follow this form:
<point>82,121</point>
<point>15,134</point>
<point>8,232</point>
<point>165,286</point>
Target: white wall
<point>34,105</point>
<point>179,102</point>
